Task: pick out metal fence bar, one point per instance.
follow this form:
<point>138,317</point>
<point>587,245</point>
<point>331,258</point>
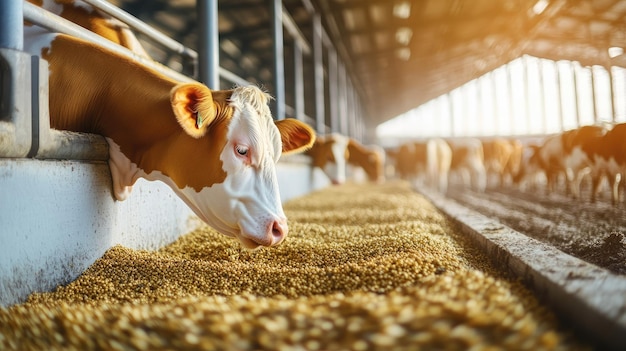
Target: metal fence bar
<point>57,24</point>
<point>143,28</point>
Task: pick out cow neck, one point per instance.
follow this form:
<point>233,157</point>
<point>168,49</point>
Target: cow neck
<point>131,106</point>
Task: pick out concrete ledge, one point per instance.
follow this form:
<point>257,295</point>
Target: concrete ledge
<point>58,217</point>
<point>592,299</point>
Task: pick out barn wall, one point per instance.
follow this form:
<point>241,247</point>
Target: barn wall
<point>58,217</point>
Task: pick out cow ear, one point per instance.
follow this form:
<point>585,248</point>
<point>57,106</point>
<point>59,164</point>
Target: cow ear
<point>295,135</point>
<point>193,106</point>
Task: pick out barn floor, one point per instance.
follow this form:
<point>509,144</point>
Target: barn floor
<point>365,267</point>
<point>593,232</point>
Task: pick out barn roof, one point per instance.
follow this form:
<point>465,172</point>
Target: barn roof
<point>402,53</point>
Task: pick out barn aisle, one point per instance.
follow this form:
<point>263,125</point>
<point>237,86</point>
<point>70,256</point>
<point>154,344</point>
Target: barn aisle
<point>365,267</point>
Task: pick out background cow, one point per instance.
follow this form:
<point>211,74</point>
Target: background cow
<point>330,153</point>
<point>468,162</point>
<point>369,158</point>
<point>607,154</point>
<point>562,154</point>
<point>427,161</point>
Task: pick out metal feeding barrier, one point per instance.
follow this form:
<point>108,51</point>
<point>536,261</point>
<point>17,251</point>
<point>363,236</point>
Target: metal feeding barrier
<point>24,119</point>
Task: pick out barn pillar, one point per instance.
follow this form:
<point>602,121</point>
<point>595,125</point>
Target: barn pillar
<point>208,44</point>
<point>526,92</point>
<point>596,116</point>
<point>609,70</point>
<point>576,99</point>
<point>318,70</point>
<point>298,81</point>
<point>11,25</point>
<point>509,88</point>
<point>333,90</point>
<point>276,12</point>
<point>542,94</point>
<point>342,93</point>
<point>557,72</point>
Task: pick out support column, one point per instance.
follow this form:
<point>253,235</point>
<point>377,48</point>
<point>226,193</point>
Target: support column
<point>208,44</point>
<point>318,69</point>
<point>298,81</point>
<point>596,116</point>
<point>276,11</point>
<point>609,70</point>
<point>333,91</point>
<point>575,83</point>
<point>557,71</point>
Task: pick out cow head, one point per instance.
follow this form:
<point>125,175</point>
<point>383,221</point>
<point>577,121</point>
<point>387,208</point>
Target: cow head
<point>244,200</point>
<point>222,162</point>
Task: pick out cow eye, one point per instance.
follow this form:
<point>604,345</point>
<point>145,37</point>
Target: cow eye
<point>242,150</point>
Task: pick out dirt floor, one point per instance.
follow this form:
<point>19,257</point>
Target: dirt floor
<point>594,232</point>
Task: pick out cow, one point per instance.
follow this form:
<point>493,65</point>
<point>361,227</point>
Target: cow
<point>429,159</point>
<point>607,154</point>
<point>94,20</point>
<point>330,153</point>
<point>370,158</point>
<point>562,154</point>
<point>217,150</point>
<point>468,162</point>
<point>497,153</point>
<point>512,166</point>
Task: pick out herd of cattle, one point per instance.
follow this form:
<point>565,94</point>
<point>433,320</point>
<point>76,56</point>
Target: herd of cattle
<point>593,152</point>
<point>218,150</point>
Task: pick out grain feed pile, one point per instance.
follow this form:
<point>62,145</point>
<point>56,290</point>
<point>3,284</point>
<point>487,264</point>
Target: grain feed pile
<point>365,267</point>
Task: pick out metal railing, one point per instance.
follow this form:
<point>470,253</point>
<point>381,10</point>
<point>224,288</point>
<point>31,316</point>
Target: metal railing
<point>24,120</point>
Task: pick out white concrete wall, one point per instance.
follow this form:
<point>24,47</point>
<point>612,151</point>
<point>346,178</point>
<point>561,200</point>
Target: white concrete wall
<point>58,217</point>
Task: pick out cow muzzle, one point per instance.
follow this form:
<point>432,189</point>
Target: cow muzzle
<point>275,232</point>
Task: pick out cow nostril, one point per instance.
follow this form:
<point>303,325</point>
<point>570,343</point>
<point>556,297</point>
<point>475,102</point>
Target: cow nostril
<point>279,231</point>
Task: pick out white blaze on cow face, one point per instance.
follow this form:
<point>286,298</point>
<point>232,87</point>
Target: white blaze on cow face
<point>247,204</point>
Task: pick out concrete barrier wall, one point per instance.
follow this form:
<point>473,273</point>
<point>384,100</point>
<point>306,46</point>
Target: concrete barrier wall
<point>58,217</point>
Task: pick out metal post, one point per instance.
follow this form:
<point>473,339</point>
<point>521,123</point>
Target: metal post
<point>494,98</point>
<point>527,92</point>
<point>318,69</point>
<point>298,81</point>
<point>612,94</point>
<point>575,84</point>
<point>596,116</point>
<point>276,11</point>
<point>560,97</point>
<point>452,122</point>
<point>333,90</point>
<point>511,97</point>
<point>542,94</point>
<point>208,46</point>
<point>12,24</point>
<point>342,92</point>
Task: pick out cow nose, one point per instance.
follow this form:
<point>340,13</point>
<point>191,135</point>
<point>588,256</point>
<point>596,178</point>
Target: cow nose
<point>278,231</point>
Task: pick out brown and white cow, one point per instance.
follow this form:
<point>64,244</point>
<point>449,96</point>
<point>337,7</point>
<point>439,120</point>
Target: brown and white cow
<point>468,162</point>
<point>563,154</point>
<point>497,153</point>
<point>369,158</point>
<point>607,154</point>
<point>217,150</point>
<point>512,167</point>
<point>429,160</point>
